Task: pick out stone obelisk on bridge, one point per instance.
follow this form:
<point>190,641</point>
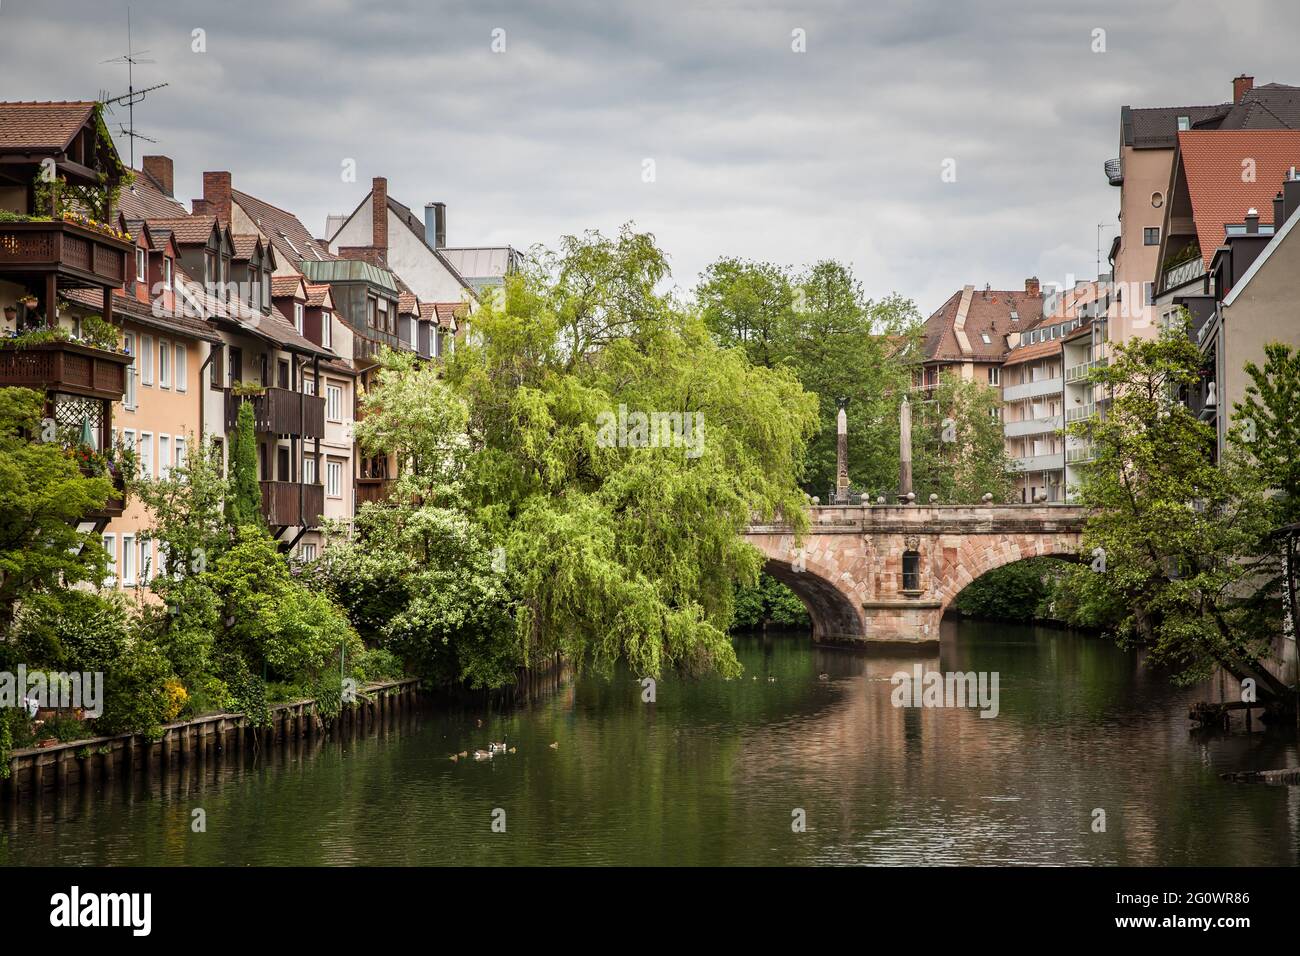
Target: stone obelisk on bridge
<point>842,454</point>
<point>905,452</point>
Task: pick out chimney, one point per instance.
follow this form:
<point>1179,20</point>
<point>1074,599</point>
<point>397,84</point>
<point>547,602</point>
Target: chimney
<point>1252,221</point>
<point>379,215</point>
<point>1031,286</point>
<point>159,169</point>
<point>435,224</point>
<point>1279,214</point>
<point>216,195</point>
<point>1241,85</point>
<point>1291,195</point>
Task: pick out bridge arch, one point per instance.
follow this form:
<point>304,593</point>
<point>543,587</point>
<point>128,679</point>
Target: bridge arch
<point>976,558</point>
<point>835,615</point>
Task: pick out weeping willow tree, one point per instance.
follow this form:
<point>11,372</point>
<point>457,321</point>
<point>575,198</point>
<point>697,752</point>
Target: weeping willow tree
<point>623,532</point>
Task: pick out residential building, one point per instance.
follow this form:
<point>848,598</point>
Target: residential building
<point>970,334</point>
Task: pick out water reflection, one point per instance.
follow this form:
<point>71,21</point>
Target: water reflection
<point>712,772</point>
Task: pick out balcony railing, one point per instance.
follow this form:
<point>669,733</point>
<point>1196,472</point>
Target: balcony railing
<point>79,254</point>
<point>1080,454</point>
<point>373,490</point>
<point>280,412</point>
<point>1175,276</point>
<point>1079,413</point>
<point>67,367</point>
<point>1077,373</point>
<point>1037,462</point>
<point>1032,426</point>
<point>1044,386</point>
<point>280,504</point>
<point>1115,171</point>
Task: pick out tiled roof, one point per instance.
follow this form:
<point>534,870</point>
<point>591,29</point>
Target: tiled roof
<point>446,314</point>
<point>245,245</point>
<point>1271,106</point>
<point>283,286</point>
<point>188,230</point>
<point>284,230</point>
<point>1158,126</point>
<point>41,126</point>
<point>989,313</point>
<point>144,200</point>
<point>408,304</point>
<point>318,294</point>
<point>272,326</point>
<point>1027,353</point>
<point>1213,161</point>
<point>176,324</point>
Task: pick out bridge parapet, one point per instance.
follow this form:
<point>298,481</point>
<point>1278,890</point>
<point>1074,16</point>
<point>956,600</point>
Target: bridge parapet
<point>937,519</point>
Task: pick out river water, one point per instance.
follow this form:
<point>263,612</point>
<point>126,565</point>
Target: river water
<point>717,772</point>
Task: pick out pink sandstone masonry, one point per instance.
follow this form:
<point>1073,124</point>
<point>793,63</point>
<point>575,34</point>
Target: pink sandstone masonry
<point>848,567</point>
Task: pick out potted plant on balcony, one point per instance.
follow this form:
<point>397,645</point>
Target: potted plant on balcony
<point>28,301</point>
<point>99,334</point>
<point>246,389</point>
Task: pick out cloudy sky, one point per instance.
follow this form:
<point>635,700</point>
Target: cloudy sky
<point>754,149</point>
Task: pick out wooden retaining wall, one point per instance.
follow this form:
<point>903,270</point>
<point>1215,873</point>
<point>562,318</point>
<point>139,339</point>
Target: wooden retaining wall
<point>83,763</point>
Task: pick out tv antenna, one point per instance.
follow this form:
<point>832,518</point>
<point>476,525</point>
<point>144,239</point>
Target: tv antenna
<point>132,95</point>
<point>1100,227</point>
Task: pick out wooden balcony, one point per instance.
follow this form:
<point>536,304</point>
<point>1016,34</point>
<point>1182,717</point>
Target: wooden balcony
<point>77,255</point>
<point>280,504</point>
<point>373,489</point>
<point>67,367</point>
<point>113,506</point>
<point>280,411</point>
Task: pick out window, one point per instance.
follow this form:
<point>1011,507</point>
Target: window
<point>995,375</point>
<point>911,571</point>
<point>164,455</point>
<point>307,553</point>
<point>146,454</point>
<point>215,362</point>
<point>110,545</point>
<point>1148,293</point>
<point>146,560</point>
<point>180,452</point>
<point>372,314</point>
<point>334,479</point>
<point>146,360</point>
<point>132,370</point>
<point>164,364</point>
<point>236,365</point>
<point>282,374</point>
<point>309,470</point>
<point>985,337</point>
<point>182,373</point>
<point>415,336</point>
<point>141,266</point>
<point>333,402</point>
<point>128,560</point>
<point>167,272</point>
<point>326,331</point>
<point>297,317</point>
<point>128,440</point>
<point>1184,123</point>
<point>385,321</point>
<point>1151,236</point>
<point>308,386</point>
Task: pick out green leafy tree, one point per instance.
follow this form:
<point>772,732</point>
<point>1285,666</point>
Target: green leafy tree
<point>958,450</point>
<point>769,602</point>
<point>749,305</point>
<point>43,496</point>
<point>1173,541</point>
<point>624,551</point>
<point>244,498</point>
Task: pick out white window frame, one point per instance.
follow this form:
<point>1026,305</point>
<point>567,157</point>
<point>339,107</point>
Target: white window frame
<point>110,545</point>
<point>297,316</point>
<point>128,559</point>
<point>146,456</point>
<point>178,450</point>
<point>164,455</point>
<point>141,266</point>
<point>307,551</point>
<point>309,469</point>
<point>146,360</point>
<point>327,330</point>
<point>333,402</point>
<point>164,364</point>
<point>132,370</point>
<point>308,386</point>
<point>333,478</point>
<point>148,570</point>
<point>182,370</point>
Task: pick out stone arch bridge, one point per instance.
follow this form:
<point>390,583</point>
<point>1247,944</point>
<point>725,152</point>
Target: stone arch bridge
<point>887,573</point>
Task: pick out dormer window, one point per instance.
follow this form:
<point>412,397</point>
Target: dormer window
<point>297,317</point>
<point>266,291</point>
<point>141,266</point>
<point>985,337</point>
<point>326,332</point>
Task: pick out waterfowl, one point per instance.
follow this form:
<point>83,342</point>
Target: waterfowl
<point>555,745</point>
<point>511,750</point>
<point>463,754</point>
<point>498,748</point>
<point>482,755</point>
<point>823,676</point>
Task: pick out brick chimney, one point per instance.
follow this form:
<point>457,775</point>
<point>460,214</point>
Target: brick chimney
<point>216,195</point>
<point>379,215</point>
<point>1241,85</point>
<point>1031,286</point>
<point>159,169</point>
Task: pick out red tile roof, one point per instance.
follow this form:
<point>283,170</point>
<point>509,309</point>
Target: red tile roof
<point>187,230</point>
<point>284,286</point>
<point>1027,353</point>
<point>41,126</point>
<point>285,231</point>
<point>124,305</point>
<point>989,313</point>
<point>318,294</point>
<point>1213,163</point>
<point>407,304</point>
<point>144,200</point>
